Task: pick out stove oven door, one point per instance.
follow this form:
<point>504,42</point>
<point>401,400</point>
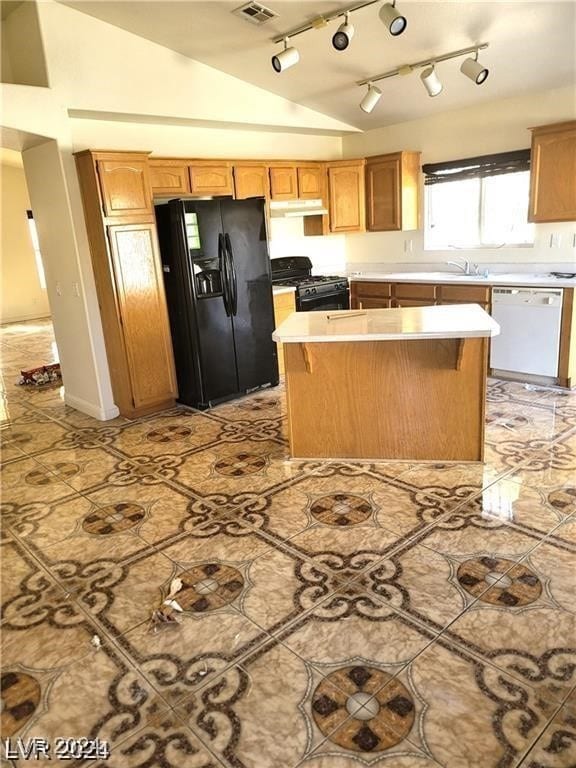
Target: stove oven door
<point>323,302</point>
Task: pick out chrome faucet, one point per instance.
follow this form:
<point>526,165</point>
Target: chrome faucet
<point>463,265</point>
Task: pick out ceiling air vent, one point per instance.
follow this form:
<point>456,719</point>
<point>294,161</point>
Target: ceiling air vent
<point>255,13</point>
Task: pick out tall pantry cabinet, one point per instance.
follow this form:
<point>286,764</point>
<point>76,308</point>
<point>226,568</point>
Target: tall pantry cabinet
<point>119,213</point>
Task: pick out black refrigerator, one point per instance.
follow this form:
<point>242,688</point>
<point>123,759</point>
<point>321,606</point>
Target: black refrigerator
<point>216,271</point>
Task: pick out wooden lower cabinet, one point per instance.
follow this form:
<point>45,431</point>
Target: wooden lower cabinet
<point>284,305</point>
<point>567,356</point>
<point>377,295</point>
<point>142,314</point>
<point>130,288</point>
<point>398,303</point>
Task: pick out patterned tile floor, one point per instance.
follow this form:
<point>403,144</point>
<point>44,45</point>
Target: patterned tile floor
<point>334,614</point>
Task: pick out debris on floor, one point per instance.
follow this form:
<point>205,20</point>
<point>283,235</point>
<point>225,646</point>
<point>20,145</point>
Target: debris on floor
<point>43,374</point>
<point>167,612</point>
<point>96,642</point>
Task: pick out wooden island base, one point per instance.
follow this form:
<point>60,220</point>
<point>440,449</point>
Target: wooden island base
<point>415,399</point>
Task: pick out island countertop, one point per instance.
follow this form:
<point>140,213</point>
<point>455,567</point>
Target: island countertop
<point>452,321</point>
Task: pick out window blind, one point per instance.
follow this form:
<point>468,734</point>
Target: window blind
<point>477,167</point>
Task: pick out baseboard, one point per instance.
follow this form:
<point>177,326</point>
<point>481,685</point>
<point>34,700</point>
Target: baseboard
<point>24,318</point>
<point>102,414</point>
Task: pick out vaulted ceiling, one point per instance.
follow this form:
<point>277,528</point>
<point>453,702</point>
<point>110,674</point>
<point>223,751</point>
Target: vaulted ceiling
<point>532,47</point>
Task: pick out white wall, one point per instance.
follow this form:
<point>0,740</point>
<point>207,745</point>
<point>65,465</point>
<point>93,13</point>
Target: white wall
<point>72,297</point>
<point>496,127</point>
<point>23,59</point>
<point>194,141</point>
<point>22,296</point>
<point>96,66</point>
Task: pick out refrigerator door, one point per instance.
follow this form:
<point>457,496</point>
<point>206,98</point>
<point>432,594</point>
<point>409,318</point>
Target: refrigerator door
<point>199,243</point>
<point>244,229</point>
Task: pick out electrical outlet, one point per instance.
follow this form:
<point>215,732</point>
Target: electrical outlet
<point>555,240</point>
<point>76,289</point>
<point>407,246</point>
<point>59,289</point>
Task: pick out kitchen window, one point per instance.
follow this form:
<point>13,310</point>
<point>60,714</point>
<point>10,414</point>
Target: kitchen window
<point>481,202</point>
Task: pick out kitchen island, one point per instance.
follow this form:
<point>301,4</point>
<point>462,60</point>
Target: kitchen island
<point>389,384</point>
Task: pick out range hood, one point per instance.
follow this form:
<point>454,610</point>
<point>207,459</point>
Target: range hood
<point>293,208</point>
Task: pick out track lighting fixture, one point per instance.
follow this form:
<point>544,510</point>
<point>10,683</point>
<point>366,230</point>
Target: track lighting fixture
<point>471,68</point>
<point>343,35</point>
<point>431,81</point>
<point>286,58</point>
<point>474,70</point>
<point>394,20</point>
<point>371,98</point>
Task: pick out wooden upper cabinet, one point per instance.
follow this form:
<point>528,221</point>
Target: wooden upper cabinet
<point>211,178</point>
<point>553,173</point>
<point>346,195</point>
<point>392,192</point>
<point>251,181</point>
<point>143,313</point>
<point>169,177</point>
<point>125,184</point>
<point>310,181</point>
<point>283,183</point>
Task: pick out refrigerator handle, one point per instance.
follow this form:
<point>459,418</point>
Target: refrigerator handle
<point>222,263</point>
<point>234,285</point>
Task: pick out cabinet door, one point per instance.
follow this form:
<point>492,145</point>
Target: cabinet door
<point>383,198</point>
<point>251,181</point>
<point>369,302</point>
<point>283,183</point>
<point>125,187</point>
<point>553,175</point>
<point>346,183</point>
<point>415,291</point>
<point>169,179</point>
<point>143,314</point>
<point>466,294</point>
<point>213,179</point>
<point>413,302</point>
<point>310,182</point>
<point>284,305</point>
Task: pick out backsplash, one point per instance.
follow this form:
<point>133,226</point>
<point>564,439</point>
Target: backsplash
<point>405,248</point>
<point>328,254</point>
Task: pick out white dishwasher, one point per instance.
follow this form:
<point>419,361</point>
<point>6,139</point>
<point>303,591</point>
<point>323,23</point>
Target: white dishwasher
<point>529,339</point>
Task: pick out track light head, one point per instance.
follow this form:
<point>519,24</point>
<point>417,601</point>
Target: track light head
<point>286,58</point>
<point>431,81</point>
<point>371,98</point>
<point>394,20</point>
<point>474,70</point>
<point>343,35</point>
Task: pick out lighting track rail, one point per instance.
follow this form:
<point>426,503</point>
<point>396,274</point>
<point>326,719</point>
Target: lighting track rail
<point>406,69</point>
<point>321,21</point>
<point>389,16</point>
<point>470,67</point>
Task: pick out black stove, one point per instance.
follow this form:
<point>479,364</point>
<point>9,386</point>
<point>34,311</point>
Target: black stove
<point>313,292</point>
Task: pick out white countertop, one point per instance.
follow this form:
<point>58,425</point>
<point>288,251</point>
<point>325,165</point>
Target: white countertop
<point>279,289</point>
<point>507,279</point>
<point>452,321</point>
